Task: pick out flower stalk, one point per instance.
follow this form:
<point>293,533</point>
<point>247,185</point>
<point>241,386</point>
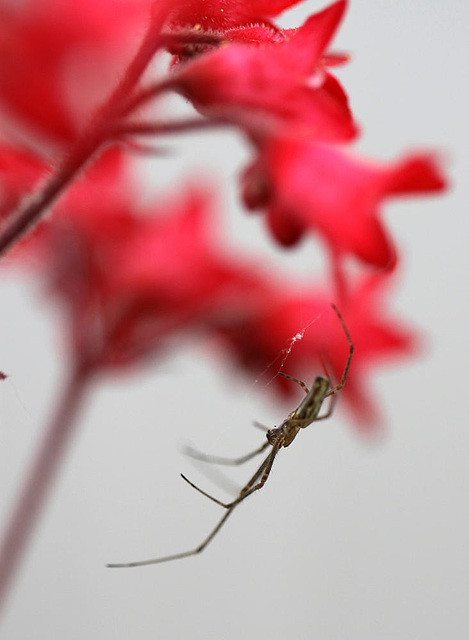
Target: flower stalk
<point>99,130</point>
<point>40,480</point>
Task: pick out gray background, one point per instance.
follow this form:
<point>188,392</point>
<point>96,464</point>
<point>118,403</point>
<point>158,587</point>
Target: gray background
<point>351,539</point>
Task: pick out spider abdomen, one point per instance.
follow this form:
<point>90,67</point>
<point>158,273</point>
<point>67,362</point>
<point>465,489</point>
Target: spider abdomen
<point>309,409</point>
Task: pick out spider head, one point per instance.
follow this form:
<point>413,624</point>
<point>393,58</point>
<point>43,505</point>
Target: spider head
<point>284,435</point>
<point>273,435</point>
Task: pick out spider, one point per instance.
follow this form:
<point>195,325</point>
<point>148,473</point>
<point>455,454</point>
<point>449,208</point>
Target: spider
<point>305,414</point>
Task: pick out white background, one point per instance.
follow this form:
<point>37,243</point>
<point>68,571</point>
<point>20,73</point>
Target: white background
<point>350,539</point>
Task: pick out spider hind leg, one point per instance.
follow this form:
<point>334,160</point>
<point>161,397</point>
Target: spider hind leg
<point>300,382</point>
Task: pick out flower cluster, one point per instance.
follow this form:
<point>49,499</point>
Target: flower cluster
<point>133,278</point>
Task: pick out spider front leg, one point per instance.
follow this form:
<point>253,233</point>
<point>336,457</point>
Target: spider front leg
<point>247,490</point>
<point>198,455</point>
<point>260,426</point>
<point>176,556</point>
<point>300,382</point>
<point>339,386</point>
<point>254,483</point>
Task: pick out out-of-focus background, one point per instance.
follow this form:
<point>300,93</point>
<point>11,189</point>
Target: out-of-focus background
<point>351,538</point>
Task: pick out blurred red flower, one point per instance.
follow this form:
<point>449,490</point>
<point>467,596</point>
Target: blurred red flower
<point>130,277</point>
<point>308,186</point>
<point>60,59</point>
<point>293,329</point>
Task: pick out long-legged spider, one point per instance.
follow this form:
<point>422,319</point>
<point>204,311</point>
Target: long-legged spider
<point>305,414</point>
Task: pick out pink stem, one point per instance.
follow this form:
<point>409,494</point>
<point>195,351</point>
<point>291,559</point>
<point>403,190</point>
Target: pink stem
<point>98,130</point>
<point>39,481</point>
<point>159,128</point>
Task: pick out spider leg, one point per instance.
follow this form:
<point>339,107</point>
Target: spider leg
<point>267,468</point>
<point>204,493</point>
<point>330,410</point>
<point>246,490</point>
<point>300,382</point>
<point>263,470</point>
<point>177,556</point>
<point>339,386</point>
<point>198,455</point>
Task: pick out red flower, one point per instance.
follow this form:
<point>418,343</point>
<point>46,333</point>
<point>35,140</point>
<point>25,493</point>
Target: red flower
<point>130,279</point>
<point>294,330</point>
<point>59,59</point>
<point>283,81</point>
<point>309,186</point>
<point>219,15</point>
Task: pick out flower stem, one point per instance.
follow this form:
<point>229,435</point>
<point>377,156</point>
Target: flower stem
<point>159,128</point>
<point>40,479</point>
<point>96,134</point>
